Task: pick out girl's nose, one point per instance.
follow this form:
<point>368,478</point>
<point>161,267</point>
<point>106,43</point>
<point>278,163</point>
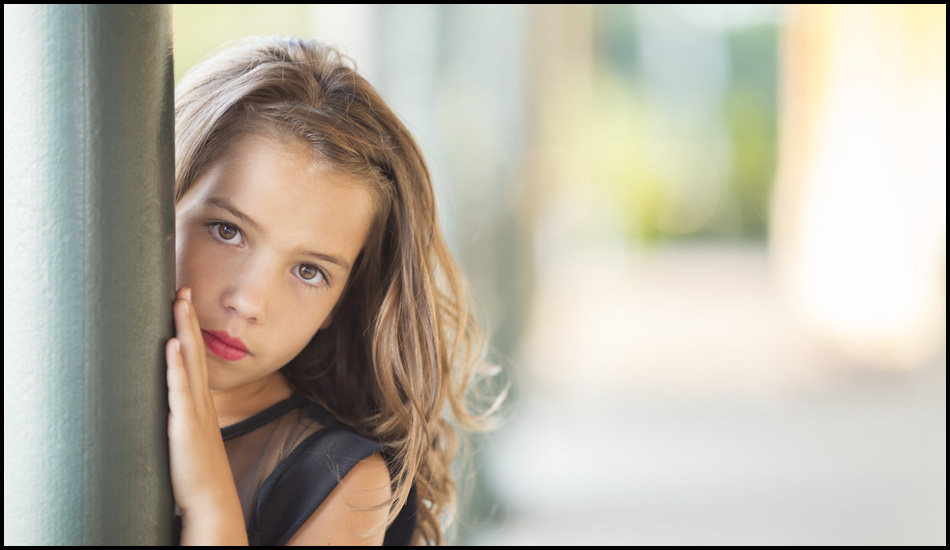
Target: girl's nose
<point>246,296</point>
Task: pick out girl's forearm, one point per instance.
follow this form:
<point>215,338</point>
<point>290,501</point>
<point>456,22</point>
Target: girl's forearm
<point>219,524</point>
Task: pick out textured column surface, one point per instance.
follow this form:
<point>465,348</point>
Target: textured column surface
<point>88,273</point>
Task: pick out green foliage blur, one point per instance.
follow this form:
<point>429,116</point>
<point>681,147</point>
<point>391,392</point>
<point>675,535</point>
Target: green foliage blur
<point>681,143</point>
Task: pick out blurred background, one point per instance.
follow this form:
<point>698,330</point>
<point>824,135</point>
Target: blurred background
<point>710,247</point>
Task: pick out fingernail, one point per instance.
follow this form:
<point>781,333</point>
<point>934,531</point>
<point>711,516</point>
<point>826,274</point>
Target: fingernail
<point>188,295</point>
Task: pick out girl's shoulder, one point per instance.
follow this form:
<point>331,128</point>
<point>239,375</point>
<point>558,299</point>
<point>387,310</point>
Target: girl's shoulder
<point>302,434</point>
<point>341,442</point>
<point>305,477</point>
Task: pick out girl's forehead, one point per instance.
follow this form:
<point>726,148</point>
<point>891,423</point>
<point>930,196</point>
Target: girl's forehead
<point>285,192</point>
<point>266,166</point>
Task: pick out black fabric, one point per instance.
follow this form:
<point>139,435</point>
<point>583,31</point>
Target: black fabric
<point>303,478</point>
<point>404,526</point>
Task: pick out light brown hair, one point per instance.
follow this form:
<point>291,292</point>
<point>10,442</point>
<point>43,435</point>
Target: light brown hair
<point>403,342</point>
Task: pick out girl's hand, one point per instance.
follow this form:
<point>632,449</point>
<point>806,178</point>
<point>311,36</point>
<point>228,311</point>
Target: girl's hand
<point>201,475</point>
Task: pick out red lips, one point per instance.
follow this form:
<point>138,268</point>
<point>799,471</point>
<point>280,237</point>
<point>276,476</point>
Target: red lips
<point>233,342</point>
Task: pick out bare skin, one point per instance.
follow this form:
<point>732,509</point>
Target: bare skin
<point>252,279</point>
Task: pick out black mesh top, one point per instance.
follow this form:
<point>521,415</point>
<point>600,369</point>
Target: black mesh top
<point>287,458</point>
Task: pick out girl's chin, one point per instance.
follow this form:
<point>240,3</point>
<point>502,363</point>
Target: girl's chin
<point>225,375</point>
<point>218,379</point>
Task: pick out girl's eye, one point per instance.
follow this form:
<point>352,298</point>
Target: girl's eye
<point>225,232</point>
<point>312,274</point>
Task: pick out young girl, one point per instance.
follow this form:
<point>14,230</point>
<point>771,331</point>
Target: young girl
<point>322,326</point>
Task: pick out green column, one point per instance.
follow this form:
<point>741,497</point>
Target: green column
<point>88,273</point>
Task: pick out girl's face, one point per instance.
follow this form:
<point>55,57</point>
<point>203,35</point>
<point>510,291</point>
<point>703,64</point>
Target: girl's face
<point>266,240</point>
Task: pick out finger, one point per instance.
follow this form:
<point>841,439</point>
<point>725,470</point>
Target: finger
<point>199,339</point>
<point>189,348</point>
<point>184,294</point>
<point>179,391</point>
<point>202,357</point>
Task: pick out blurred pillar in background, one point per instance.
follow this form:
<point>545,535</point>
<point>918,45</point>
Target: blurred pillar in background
<point>859,210</point>
<point>88,169</point>
<point>549,191</point>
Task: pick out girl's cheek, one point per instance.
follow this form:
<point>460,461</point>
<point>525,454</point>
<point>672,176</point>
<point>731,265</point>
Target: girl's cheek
<point>196,259</point>
<point>207,259</point>
<point>182,261</point>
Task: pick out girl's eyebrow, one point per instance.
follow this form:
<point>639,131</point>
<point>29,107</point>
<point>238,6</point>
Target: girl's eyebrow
<point>225,204</point>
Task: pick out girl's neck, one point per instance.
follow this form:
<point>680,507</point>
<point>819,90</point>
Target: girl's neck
<point>236,404</point>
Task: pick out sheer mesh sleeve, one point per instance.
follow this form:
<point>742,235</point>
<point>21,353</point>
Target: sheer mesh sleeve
<point>255,452</point>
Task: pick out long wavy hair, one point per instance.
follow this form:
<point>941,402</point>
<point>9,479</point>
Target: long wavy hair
<point>404,341</point>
